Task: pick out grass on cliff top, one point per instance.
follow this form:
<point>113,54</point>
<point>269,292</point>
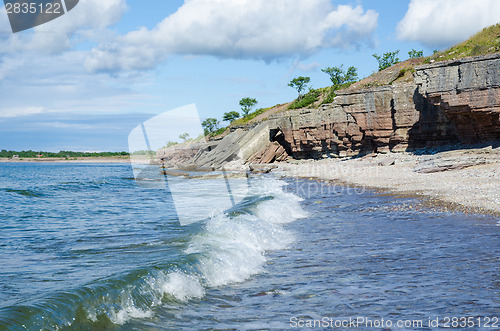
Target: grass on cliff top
<point>484,42</point>
<point>249,117</point>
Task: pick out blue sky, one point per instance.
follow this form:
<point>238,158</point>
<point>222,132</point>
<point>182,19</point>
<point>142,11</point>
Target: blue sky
<point>86,79</point>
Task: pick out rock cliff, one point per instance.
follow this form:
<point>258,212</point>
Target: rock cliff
<point>446,102</point>
<point>466,92</point>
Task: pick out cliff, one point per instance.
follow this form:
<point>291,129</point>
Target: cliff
<point>456,101</point>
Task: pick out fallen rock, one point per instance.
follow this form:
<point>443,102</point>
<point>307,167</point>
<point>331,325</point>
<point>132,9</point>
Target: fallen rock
<point>262,168</point>
<point>388,161</point>
<point>455,160</point>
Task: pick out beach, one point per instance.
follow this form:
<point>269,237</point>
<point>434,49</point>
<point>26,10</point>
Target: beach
<point>465,179</point>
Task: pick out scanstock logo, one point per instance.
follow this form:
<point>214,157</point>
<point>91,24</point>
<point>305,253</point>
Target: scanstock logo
<point>26,14</point>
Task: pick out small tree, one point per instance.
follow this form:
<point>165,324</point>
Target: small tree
<point>184,136</point>
<point>247,105</point>
<point>339,77</point>
<point>413,54</point>
<point>386,60</point>
<point>210,125</point>
<point>230,116</point>
<point>300,84</point>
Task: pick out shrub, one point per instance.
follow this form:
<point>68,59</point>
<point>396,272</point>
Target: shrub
<point>311,97</point>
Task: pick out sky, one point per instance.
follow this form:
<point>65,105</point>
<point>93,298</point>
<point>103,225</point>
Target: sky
<point>85,80</point>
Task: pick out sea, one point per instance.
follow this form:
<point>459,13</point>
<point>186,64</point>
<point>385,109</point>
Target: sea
<point>89,247</point>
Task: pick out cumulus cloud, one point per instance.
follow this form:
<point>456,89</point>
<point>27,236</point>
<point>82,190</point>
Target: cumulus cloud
<point>440,23</point>
<point>258,29</point>
<point>89,20</point>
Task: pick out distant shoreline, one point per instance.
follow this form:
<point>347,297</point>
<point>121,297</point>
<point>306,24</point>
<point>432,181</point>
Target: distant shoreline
<point>101,159</point>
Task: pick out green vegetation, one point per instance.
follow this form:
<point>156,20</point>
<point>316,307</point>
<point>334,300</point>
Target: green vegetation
<point>61,154</point>
<point>300,84</point>
<point>218,132</point>
<point>309,98</point>
<point>413,54</point>
<point>171,143</point>
<point>184,137</point>
<point>330,95</point>
<point>231,116</point>
<point>486,41</point>
<point>145,152</point>
<point>339,77</point>
<point>210,125</point>
<point>386,60</point>
<point>247,104</point>
<point>250,116</point>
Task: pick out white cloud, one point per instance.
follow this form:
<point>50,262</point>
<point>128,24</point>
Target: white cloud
<point>89,19</point>
<point>31,84</point>
<point>306,67</point>
<point>258,29</point>
<point>440,23</point>
<point>17,112</point>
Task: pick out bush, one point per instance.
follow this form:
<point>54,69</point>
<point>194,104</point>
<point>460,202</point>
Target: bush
<point>330,95</point>
<point>249,117</point>
<point>311,97</point>
<point>218,132</point>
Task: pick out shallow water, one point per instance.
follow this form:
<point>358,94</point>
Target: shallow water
<point>85,247</point>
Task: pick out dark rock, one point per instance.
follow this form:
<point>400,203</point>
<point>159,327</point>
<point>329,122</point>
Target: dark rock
<point>262,168</point>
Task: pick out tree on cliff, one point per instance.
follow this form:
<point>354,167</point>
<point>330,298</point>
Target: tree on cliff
<point>210,125</point>
<point>386,60</point>
<point>413,54</point>
<point>184,136</point>
<point>247,105</point>
<point>299,83</point>
<point>339,77</point>
<point>230,116</point>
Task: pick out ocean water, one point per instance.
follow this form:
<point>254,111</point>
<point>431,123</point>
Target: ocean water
<point>84,247</point>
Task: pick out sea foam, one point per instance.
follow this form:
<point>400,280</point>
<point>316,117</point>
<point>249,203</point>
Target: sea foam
<point>230,249</point>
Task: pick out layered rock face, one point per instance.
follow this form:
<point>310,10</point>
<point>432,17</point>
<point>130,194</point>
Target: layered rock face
<point>449,102</point>
<point>179,154</point>
<point>467,92</point>
<point>363,121</point>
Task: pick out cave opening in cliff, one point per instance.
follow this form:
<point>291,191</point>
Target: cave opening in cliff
<point>277,135</point>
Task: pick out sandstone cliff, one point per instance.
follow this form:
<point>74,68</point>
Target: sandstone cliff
<point>456,101</point>
<point>448,102</point>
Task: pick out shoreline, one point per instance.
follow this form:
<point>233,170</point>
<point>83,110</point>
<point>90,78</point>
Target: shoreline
<point>103,159</point>
<point>464,180</point>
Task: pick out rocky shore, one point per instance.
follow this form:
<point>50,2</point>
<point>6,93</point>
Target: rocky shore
<point>466,178</point>
<point>383,132</point>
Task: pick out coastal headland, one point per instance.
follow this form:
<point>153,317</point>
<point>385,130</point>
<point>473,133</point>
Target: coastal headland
<point>428,127</point>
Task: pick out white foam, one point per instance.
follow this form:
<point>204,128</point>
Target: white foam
<point>182,286</point>
<point>229,249</point>
<point>233,249</point>
<point>126,313</point>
